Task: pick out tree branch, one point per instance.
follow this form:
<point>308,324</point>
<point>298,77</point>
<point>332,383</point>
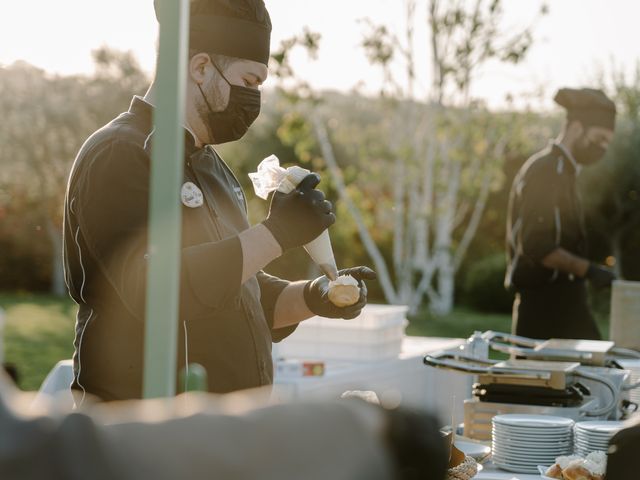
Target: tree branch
<point>474,222</point>
<point>378,260</point>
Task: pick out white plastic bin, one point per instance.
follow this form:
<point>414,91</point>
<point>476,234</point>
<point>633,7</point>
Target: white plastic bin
<point>376,334</point>
<point>625,314</point>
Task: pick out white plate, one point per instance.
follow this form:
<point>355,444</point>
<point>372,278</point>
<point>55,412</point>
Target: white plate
<point>511,433</point>
<point>533,421</point>
<point>531,449</point>
<point>591,444</point>
<point>602,438</point>
<point>544,434</point>
<point>473,450</point>
<point>592,449</point>
<point>602,446</point>
<point>520,461</point>
<point>537,453</point>
<point>533,439</point>
<point>538,430</point>
<point>529,457</point>
<point>530,453</point>
<point>541,427</point>
<point>516,468</point>
<point>585,434</point>
<point>501,442</point>
<point>600,427</point>
<point>593,439</point>
<point>525,457</point>
<point>539,434</point>
<point>531,446</point>
<point>516,463</point>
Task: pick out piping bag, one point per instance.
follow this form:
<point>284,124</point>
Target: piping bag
<point>271,177</point>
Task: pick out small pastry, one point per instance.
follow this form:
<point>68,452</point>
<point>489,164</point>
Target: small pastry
<point>554,471</point>
<point>344,291</point>
<point>564,461</point>
<point>576,471</point>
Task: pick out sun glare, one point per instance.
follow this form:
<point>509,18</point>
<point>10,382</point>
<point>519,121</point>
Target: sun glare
<point>61,35</point>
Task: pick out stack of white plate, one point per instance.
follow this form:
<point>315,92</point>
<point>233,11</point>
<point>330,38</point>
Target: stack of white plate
<point>521,442</point>
<point>594,435</point>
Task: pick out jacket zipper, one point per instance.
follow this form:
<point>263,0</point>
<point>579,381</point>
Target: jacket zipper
<point>228,169</point>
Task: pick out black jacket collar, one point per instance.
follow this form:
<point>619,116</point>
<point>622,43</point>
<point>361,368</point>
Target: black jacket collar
<point>143,111</point>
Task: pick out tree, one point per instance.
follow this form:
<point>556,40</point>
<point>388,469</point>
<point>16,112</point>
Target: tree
<point>445,149</point>
<point>611,189</point>
<point>46,120</point>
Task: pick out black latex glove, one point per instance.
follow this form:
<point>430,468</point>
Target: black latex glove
<point>316,294</point>
<point>417,448</point>
<point>300,216</point>
<point>600,277</point>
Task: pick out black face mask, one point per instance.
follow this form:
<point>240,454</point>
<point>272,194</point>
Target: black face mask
<point>233,122</point>
<point>588,154</point>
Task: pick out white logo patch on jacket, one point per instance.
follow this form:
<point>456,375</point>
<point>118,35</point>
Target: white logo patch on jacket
<point>191,195</point>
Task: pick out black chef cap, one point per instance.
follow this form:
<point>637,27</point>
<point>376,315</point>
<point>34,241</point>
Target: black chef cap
<point>235,28</point>
<point>589,106</point>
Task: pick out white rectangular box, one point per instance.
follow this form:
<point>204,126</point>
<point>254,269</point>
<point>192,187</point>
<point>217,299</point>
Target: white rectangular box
<point>376,334</point>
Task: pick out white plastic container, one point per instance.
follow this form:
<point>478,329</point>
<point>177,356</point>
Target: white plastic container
<point>376,334</point>
<point>625,314</point>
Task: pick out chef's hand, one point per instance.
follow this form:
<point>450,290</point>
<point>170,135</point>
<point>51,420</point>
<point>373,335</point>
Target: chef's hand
<point>599,276</point>
<point>316,294</point>
<point>299,217</point>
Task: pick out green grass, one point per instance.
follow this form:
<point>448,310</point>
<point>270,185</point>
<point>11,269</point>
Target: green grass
<point>38,333</point>
<point>460,323</point>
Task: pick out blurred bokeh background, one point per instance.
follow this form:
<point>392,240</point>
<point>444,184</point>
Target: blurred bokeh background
<point>416,113</point>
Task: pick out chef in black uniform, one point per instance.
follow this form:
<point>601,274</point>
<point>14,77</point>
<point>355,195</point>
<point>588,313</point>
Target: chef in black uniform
<point>546,242</point>
<point>230,309</point>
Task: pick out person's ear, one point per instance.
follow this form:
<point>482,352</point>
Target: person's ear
<point>198,67</point>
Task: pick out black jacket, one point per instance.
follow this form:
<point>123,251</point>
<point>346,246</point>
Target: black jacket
<point>225,326</point>
<point>545,213</point>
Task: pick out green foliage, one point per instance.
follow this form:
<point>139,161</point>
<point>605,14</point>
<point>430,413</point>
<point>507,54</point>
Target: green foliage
<point>611,188</point>
<point>25,262</point>
<point>39,332</point>
<point>483,285</point>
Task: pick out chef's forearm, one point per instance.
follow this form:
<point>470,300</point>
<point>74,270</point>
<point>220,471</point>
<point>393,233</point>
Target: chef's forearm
<point>291,308</point>
<point>567,262</point>
<point>259,248</point>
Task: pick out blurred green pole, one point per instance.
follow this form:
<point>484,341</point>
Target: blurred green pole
<point>163,276</point>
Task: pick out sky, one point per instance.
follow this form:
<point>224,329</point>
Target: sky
<point>572,44</point>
